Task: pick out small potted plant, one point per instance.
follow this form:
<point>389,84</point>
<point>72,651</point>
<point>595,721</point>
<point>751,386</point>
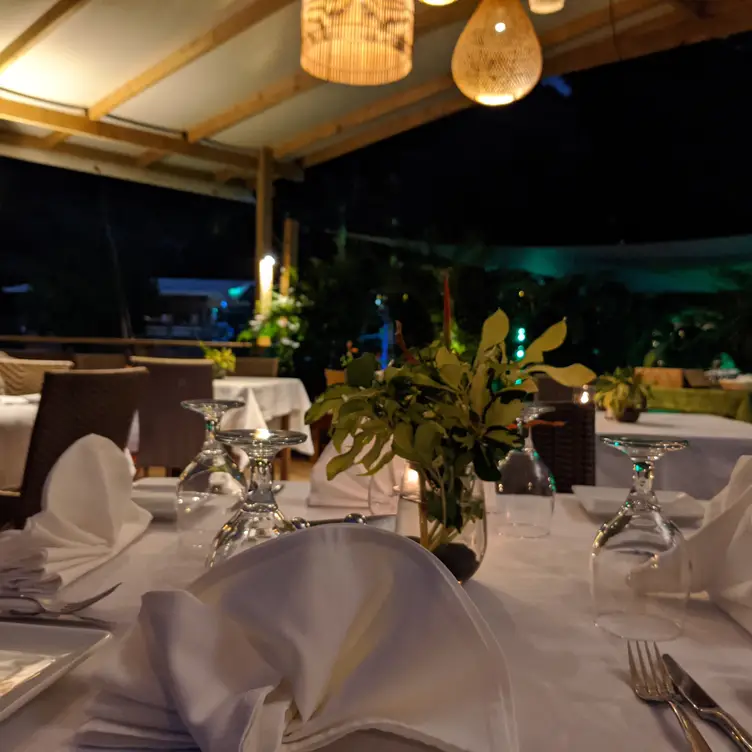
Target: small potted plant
<point>223,360</point>
<point>622,394</point>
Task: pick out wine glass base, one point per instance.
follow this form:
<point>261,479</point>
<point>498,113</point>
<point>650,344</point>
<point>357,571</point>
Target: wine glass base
<point>639,626</point>
<point>522,530</point>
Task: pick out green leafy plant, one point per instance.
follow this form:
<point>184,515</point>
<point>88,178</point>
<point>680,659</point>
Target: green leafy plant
<point>621,390</point>
<point>349,355</point>
<point>222,359</point>
<point>442,414</point>
<point>284,327</point>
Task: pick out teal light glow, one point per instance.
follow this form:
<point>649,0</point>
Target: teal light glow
<point>236,292</point>
<point>521,334</point>
<point>520,353</point>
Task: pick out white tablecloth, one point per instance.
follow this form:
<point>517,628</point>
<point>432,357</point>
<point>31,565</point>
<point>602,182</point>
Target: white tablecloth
<point>569,679</point>
<point>265,399</point>
<point>702,469</point>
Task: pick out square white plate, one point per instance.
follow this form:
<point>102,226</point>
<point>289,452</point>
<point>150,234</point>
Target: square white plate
<point>157,496</point>
<point>33,655</point>
<point>605,502</point>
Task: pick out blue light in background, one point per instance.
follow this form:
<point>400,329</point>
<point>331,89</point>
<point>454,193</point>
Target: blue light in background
<point>558,83</point>
<point>223,304</point>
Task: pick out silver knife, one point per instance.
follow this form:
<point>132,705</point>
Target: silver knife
<point>705,706</point>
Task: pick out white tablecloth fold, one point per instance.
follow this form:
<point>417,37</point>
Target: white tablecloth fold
<point>88,516</point>
<point>22,567</point>
<point>300,642</point>
<point>352,488</point>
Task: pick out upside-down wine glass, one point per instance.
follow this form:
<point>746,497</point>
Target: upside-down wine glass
<point>524,502</point>
<point>259,519</point>
<point>211,484</point>
<point>639,565</point>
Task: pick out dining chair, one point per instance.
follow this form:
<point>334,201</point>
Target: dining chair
<point>26,376</point>
<point>99,361</point>
<point>170,436</point>
<point>256,366</point>
<point>73,404</point>
<point>567,450</point>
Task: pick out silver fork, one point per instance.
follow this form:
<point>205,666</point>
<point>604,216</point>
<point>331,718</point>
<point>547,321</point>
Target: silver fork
<point>28,605</point>
<point>651,683</point>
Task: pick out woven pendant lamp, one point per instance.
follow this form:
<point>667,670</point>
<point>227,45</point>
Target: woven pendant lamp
<point>546,7</point>
<point>359,42</point>
<point>438,2</point>
<point>498,58</point>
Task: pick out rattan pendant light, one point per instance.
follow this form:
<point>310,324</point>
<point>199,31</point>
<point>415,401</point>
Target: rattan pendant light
<point>359,42</point>
<point>546,7</point>
<point>438,2</point>
<point>497,59</point>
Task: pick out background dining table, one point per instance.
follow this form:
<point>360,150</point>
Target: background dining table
<point>267,399</point>
<point>701,470</point>
<point>569,679</point>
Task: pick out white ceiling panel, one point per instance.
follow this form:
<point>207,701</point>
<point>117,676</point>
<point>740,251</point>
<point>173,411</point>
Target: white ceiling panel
<point>266,53</point>
<point>18,15</point>
<point>26,130</point>
<point>432,58</point>
<point>117,147</point>
<point>178,160</point>
<point>106,43</point>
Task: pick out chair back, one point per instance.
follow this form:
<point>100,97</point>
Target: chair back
<point>26,376</point>
<point>169,435</point>
<point>569,450</point>
<point>73,405</point>
<point>256,366</point>
<point>550,390</point>
<point>672,378</point>
<point>100,361</point>
<point>334,376</point>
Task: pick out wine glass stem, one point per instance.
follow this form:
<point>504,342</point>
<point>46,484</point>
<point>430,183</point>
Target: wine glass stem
<point>523,429</point>
<point>261,480</point>
<point>642,483</point>
<point>210,439</point>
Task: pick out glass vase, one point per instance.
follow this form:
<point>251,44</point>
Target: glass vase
<point>447,520</point>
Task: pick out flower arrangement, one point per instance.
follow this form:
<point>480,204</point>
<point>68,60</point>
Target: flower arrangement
<point>349,355</point>
<point>447,416</point>
<point>223,360</point>
<point>283,326</point>
<point>622,394</point>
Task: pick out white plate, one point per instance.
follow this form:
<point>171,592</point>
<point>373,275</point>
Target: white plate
<point>34,655</point>
<point>601,501</point>
<point>157,496</point>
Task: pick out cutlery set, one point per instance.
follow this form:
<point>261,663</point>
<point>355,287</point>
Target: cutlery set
<point>660,679</point>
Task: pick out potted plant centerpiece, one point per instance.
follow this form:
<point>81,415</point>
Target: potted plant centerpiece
<point>451,419</point>
<point>223,360</point>
<point>622,394</point>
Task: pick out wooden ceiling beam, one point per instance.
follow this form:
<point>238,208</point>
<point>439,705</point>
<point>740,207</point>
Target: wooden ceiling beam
<point>78,125</point>
<point>43,25</point>
<point>239,22</point>
<point>364,115</point>
<point>150,157</point>
<point>53,139</point>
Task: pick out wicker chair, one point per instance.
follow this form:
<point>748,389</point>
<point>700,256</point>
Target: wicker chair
<point>256,366</point>
<point>568,450</point>
<point>26,376</point>
<point>100,361</point>
<point>73,405</point>
<point>169,435</point>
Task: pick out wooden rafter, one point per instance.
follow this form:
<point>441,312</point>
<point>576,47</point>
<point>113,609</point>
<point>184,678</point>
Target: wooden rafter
<point>210,40</point>
<point>38,30</point>
<point>148,158</point>
<point>667,31</point>
<point>78,125</point>
<point>53,139</point>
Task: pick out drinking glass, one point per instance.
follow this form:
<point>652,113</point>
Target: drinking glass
<point>639,564</point>
<point>259,519</point>
<point>211,484</point>
<point>524,502</point>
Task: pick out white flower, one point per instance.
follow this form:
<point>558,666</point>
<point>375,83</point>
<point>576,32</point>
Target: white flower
<point>294,326</point>
<point>286,341</point>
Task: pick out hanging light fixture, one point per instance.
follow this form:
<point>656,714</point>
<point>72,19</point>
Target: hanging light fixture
<point>498,58</point>
<point>438,2</point>
<point>546,7</point>
<point>358,42</point>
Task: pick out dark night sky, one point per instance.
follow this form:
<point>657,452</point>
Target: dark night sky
<point>652,149</point>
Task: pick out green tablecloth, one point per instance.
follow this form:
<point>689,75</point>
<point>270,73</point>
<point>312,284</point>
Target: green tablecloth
<point>726,403</point>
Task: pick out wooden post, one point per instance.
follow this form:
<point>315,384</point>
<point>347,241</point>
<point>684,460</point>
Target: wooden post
<point>264,199</point>
<point>289,254</point>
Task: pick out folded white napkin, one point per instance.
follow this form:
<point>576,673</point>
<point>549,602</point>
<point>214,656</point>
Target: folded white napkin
<point>22,567</point>
<point>87,514</point>
<point>353,489</point>
<point>299,642</point>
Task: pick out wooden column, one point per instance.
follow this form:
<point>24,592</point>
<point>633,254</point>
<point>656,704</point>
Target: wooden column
<point>264,188</point>
<point>289,254</point>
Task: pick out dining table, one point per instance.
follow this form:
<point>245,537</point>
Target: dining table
<point>267,400</point>
<point>569,679</point>
<point>701,470</point>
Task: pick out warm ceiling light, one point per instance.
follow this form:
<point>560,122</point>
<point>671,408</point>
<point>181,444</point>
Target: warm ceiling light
<point>359,42</point>
<point>438,2</point>
<point>544,7</point>
<point>494,68</point>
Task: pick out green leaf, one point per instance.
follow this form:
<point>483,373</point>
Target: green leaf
<point>386,458</point>
<point>427,437</point>
<point>479,394</point>
<point>495,330</point>
<point>361,371</point>
<point>551,339</point>
<point>499,414</point>
<point>403,440</point>
<point>391,372</point>
<point>423,379</point>
<point>345,461</point>
<point>373,454</point>
<point>502,436</point>
<point>574,375</point>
